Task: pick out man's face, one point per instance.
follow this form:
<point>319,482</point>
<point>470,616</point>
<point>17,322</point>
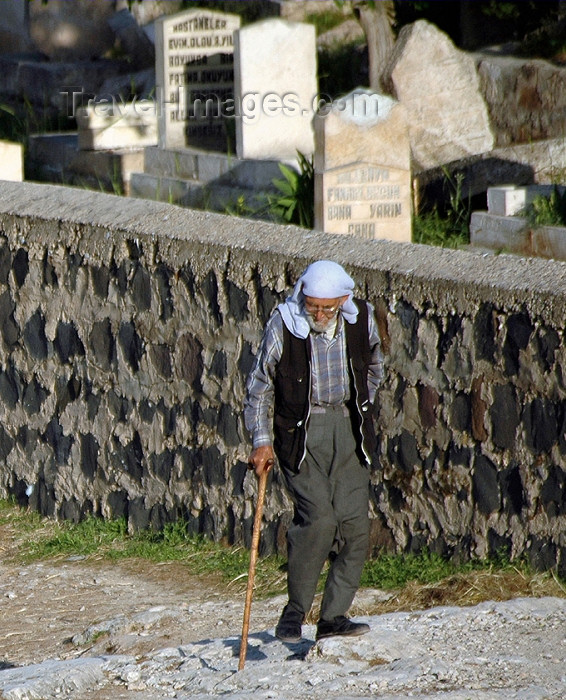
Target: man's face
<point>322,312</point>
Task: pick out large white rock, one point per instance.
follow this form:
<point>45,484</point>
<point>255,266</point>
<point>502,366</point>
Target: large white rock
<point>439,87</point>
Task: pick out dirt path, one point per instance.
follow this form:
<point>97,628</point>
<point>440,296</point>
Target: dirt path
<point>44,605</point>
<point>79,609</point>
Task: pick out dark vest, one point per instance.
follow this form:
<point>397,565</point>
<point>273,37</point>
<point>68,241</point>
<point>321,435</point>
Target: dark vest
<point>292,393</point>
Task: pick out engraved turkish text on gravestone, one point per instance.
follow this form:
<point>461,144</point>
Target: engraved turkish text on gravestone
<point>195,78</point>
<point>366,200</point>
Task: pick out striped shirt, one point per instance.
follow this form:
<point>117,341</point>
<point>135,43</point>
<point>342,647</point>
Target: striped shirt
<point>330,379</point>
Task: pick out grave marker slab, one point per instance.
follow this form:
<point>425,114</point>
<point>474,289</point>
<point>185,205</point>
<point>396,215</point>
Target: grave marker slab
<point>362,168</point>
<point>103,126</point>
<point>275,86</point>
<point>11,161</point>
<point>194,75</point>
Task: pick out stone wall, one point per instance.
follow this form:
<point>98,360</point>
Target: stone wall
<point>525,98</point>
<point>128,327</point>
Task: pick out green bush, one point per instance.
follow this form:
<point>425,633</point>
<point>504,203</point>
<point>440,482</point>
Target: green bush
<point>548,211</point>
<point>294,203</point>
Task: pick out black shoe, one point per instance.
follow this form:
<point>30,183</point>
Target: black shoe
<point>289,626</point>
<point>340,626</point>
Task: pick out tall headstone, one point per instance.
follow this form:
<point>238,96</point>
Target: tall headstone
<point>11,161</point>
<point>363,168</point>
<point>275,88</point>
<point>194,76</point>
<point>439,87</point>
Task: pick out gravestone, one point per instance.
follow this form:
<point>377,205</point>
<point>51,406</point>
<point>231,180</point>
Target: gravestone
<point>439,87</point>
<point>11,161</point>
<point>194,75</point>
<point>275,88</point>
<point>362,168</point>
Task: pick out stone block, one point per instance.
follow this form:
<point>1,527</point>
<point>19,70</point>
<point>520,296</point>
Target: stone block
<point>508,233</point>
<point>194,77</point>
<point>57,158</point>
<point>525,97</point>
<point>504,415</point>
<point>194,194</point>
<point>549,242</point>
<point>11,161</point>
<point>362,168</point>
<point>514,234</point>
<point>510,200</point>
<point>506,200</point>
<point>211,168</point>
<point>276,99</point>
<point>439,87</point>
<point>485,485</point>
<point>116,125</point>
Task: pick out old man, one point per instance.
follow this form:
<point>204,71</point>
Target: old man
<point>309,403</point>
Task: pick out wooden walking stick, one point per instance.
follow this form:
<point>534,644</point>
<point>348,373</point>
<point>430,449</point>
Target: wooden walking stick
<point>253,560</point>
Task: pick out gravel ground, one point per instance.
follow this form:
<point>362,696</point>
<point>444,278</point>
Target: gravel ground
<point>135,630</point>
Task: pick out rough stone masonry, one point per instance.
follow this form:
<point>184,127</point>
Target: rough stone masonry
<point>128,328</point>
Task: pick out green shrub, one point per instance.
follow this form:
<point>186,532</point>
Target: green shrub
<point>548,211</point>
<point>294,203</point>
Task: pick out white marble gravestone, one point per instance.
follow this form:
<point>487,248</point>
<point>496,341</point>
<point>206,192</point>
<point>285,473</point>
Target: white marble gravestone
<point>362,168</point>
<point>11,161</point>
<point>275,88</point>
<point>194,77</point>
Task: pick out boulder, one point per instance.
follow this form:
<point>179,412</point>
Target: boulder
<point>439,87</point>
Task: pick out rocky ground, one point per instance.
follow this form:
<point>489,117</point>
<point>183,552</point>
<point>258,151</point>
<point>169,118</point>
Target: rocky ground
<point>99,631</point>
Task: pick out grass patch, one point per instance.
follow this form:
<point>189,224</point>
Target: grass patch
<point>416,581</point>
<point>433,229</point>
<point>32,538</point>
<point>451,228</point>
<point>391,571</point>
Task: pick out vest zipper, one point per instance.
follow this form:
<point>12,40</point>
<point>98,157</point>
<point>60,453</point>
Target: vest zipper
<point>306,420</point>
<point>361,428</point>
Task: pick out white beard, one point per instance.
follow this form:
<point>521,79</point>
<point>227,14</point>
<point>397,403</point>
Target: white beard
<point>327,326</point>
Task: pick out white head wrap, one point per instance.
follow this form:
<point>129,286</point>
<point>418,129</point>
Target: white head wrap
<point>323,279</point>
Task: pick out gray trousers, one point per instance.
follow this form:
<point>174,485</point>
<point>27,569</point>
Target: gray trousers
<point>331,496</point>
